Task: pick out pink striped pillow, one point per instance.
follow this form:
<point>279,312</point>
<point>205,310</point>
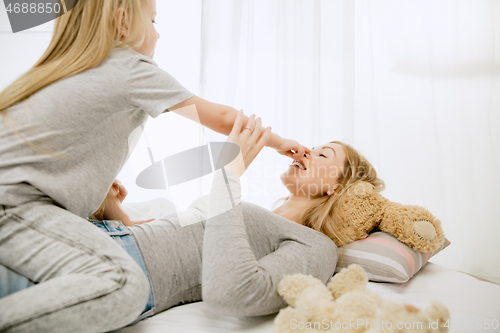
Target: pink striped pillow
<point>384,258</point>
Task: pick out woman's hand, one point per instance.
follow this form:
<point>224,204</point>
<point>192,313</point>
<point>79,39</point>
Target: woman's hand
<point>250,142</point>
<point>292,149</point>
<point>131,223</point>
<point>120,189</point>
<point>111,208</point>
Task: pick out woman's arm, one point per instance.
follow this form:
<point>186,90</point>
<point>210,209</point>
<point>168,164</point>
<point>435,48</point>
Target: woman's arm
<point>111,207</point>
<point>234,281</point>
<point>220,118</point>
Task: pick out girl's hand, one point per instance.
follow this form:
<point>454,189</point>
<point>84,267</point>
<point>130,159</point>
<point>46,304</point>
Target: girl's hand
<point>250,142</point>
<point>292,149</point>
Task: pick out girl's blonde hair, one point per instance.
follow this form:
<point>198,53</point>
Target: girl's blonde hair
<point>322,215</point>
<point>82,39</point>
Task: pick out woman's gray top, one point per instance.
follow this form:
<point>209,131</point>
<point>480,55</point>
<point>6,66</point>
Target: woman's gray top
<point>234,258</point>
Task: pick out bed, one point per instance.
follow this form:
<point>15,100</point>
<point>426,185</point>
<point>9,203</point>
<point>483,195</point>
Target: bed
<point>474,304</point>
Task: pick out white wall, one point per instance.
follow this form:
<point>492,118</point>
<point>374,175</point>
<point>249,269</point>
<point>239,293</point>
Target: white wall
<point>177,52</point>
<point>20,51</point>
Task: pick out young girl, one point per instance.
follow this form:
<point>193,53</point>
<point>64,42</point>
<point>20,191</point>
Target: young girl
<point>69,124</point>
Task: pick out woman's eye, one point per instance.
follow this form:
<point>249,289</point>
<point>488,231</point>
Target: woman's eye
<point>322,155</point>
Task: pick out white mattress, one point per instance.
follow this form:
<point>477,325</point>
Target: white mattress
<point>470,301</point>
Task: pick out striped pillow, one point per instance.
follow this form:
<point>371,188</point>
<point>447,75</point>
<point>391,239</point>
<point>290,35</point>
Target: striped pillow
<point>384,258</point>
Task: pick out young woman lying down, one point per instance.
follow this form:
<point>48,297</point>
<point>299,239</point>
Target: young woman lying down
<point>236,255</point>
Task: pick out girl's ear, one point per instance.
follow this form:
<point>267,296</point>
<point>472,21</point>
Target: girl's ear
<point>121,19</point>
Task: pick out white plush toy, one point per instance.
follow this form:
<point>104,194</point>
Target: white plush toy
<point>345,305</point>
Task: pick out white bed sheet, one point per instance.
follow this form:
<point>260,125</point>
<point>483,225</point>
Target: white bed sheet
<point>469,300</point>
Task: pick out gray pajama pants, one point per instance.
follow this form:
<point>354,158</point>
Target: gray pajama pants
<point>85,282</point>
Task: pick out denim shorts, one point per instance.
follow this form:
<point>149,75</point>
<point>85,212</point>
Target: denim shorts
<point>11,282</point>
<point>124,237</point>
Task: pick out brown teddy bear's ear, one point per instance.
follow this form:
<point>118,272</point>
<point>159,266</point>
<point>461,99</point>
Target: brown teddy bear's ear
<point>360,211</point>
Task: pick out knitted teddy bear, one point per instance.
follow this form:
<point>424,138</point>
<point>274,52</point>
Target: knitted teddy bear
<point>345,305</point>
<point>362,209</point>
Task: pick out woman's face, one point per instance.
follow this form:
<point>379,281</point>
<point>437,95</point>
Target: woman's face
<point>323,166</point>
<point>151,36</point>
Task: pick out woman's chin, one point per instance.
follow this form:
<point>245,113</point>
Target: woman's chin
<point>290,181</point>
<point>293,171</point>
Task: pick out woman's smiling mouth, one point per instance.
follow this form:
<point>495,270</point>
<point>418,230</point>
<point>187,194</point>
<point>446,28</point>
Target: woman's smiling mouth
<point>298,164</point>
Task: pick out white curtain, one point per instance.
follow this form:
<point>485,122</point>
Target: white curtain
<point>413,85</point>
<point>282,61</point>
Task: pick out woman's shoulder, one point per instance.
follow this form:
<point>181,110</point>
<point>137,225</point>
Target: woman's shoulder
<point>283,225</point>
<point>251,208</point>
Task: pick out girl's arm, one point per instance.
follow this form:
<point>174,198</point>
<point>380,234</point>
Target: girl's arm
<point>220,118</point>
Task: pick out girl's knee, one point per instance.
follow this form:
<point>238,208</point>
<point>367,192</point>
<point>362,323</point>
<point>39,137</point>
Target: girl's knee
<point>128,301</point>
<point>134,292</point>
<point>139,288</point>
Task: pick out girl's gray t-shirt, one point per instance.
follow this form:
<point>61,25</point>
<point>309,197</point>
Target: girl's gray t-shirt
<point>89,124</point>
<point>234,258</point>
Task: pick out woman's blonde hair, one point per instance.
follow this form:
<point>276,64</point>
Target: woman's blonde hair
<point>322,215</point>
<point>82,39</point>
